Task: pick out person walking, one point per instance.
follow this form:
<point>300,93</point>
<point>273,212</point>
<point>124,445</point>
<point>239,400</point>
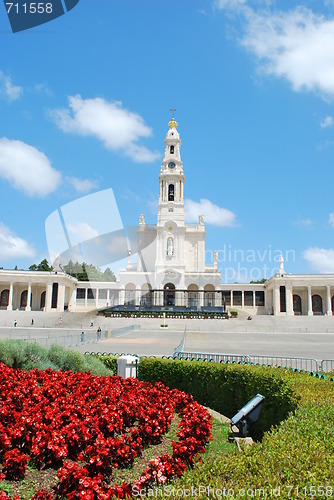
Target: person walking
<point>98,334</point>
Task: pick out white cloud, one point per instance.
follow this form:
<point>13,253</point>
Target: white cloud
<point>82,230</point>
<point>26,168</point>
<point>327,122</point>
<point>82,186</point>
<point>296,45</point>
<point>331,219</point>
<point>213,214</point>
<point>229,4</point>
<point>12,246</point>
<point>8,90</point>
<point>320,259</point>
<point>43,88</point>
<point>304,222</point>
<point>118,128</point>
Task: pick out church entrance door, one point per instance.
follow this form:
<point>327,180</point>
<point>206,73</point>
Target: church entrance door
<point>169,294</point>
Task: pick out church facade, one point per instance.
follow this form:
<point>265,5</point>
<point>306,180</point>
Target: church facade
<point>170,272</point>
<point>171,268</point>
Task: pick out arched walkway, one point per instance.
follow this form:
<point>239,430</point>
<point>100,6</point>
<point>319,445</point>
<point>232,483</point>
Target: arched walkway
<point>317,304</point>
<point>169,294</point>
<point>297,305</point>
<point>209,296</point>
<point>24,298</point>
<point>146,295</point>
<point>193,295</point>
<point>130,294</point>
<point>42,303</point>
<point>4,299</point>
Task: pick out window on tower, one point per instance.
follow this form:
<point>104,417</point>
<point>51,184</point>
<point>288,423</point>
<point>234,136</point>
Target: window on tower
<point>172,150</point>
<point>171,192</point>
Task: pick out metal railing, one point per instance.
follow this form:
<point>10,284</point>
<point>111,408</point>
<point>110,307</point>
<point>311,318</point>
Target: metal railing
<point>120,332</point>
<point>298,363</point>
<point>216,357</point>
<point>70,340</point>
<point>327,365</point>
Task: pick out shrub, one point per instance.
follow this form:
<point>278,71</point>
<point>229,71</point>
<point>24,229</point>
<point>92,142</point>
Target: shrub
<point>29,355</point>
<point>34,356</point>
<point>97,367</point>
<point>12,353</point>
<point>299,452</point>
<point>14,464</point>
<point>109,361</point>
<point>226,387</point>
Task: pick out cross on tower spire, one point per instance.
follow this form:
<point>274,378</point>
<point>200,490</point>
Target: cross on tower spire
<point>172,111</point>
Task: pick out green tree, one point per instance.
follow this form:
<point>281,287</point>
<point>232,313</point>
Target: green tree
<point>42,266</point>
<point>88,272</point>
<point>259,282</point>
<point>109,275</point>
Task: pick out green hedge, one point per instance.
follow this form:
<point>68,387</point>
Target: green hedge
<point>109,360</point>
<point>29,355</point>
<point>297,453</point>
<point>227,387</point>
<point>168,314</point>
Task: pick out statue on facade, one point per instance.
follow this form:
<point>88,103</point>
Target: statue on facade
<point>142,219</point>
<point>170,247</point>
<point>215,258</point>
<point>201,220</point>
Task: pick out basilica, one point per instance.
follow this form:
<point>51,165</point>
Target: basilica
<point>169,272</point>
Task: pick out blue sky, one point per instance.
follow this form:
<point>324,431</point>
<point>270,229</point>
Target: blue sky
<point>84,106</point>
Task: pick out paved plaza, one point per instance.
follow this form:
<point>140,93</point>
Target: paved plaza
<point>309,337</point>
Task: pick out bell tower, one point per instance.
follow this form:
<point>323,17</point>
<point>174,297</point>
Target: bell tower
<point>171,200</point>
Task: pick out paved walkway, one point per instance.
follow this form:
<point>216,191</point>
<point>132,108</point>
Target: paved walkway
<point>298,336</point>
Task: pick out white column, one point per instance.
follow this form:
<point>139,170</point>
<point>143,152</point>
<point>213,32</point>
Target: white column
<point>28,308</point>
<point>138,295</point>
<point>97,298</point>
<point>176,191</point>
<point>86,296</point>
<point>201,296</point>
<point>309,301</point>
<point>61,297</point>
<point>121,297</point>
<point>276,301</point>
<point>231,298</point>
<point>254,299</point>
<point>48,297</point>
<point>73,300</point>
<point>289,300</point>
<point>10,298</point>
<point>108,297</point>
<point>242,299</point>
<point>329,308</point>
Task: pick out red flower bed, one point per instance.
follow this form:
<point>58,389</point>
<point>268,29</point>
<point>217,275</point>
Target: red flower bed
<point>58,419</point>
